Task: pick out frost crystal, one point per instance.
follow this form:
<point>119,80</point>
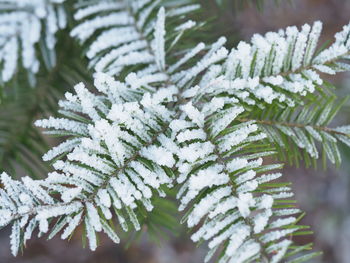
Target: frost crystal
<point>170,118</point>
<point>21,24</point>
<point>223,194</point>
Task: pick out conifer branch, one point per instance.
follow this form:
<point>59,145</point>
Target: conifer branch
<point>192,117</point>
<point>21,24</point>
<point>295,131</point>
<point>281,65</point>
<point>293,125</point>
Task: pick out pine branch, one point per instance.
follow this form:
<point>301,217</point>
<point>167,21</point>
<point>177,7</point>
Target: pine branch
<point>21,24</point>
<point>95,177</point>
<point>110,53</point>
<point>176,115</point>
<point>295,125</point>
<point>225,190</point>
<point>281,65</point>
<point>91,163</point>
<point>294,129</point>
<point>22,145</point>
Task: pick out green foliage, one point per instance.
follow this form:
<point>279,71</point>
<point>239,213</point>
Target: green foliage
<point>179,113</point>
<point>300,133</point>
<point>22,144</point>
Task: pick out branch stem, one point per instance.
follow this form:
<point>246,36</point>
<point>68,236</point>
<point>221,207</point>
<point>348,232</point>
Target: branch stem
<point>293,125</point>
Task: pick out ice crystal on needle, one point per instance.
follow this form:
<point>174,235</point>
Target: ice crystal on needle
<point>234,205</point>
<point>161,117</point>
<point>88,180</point>
<point>279,64</point>
<point>21,25</point>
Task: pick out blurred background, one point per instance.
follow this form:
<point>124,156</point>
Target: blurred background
<point>323,194</point>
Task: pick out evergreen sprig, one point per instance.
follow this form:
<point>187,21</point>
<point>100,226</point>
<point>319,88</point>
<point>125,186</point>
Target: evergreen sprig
<point>24,26</point>
<point>296,131</point>
<point>201,118</point>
